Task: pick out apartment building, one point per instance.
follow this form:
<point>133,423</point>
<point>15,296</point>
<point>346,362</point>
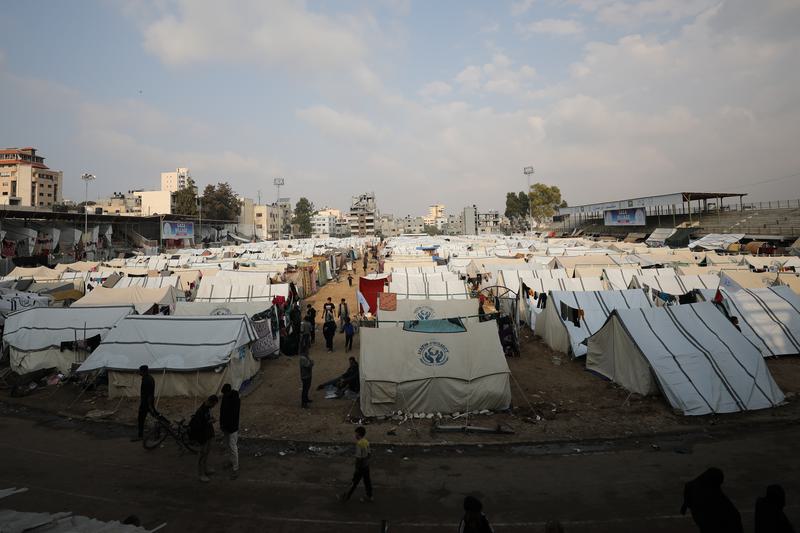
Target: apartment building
<point>26,181</point>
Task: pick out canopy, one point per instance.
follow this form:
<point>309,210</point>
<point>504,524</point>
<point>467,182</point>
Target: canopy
<point>716,241</point>
<point>692,353</point>
<point>659,236</point>
<point>558,329</point>
<point>769,318</point>
<point>179,343</point>
<point>433,372</point>
<point>142,299</point>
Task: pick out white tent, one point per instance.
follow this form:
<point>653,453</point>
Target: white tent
<point>674,285</point>
<point>221,308</point>
<point>213,289</point>
<point>716,241</point>
<point>430,309</point>
<point>692,353</point>
<point>769,318</point>
<point>12,301</point>
<point>562,335</point>
<point>420,372</point>
<point>660,235</point>
<point>142,299</point>
<point>512,278</point>
<point>736,280</point>
<point>33,337</point>
<point>417,288</point>
<point>620,279</point>
<point>148,282</point>
<point>187,355</point>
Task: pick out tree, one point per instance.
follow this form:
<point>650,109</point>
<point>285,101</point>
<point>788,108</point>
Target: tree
<point>303,211</point>
<point>220,203</point>
<point>186,199</point>
<point>517,205</point>
<point>431,230</point>
<point>545,200</point>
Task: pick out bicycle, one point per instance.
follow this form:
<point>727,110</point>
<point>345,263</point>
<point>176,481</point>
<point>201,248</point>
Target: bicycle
<point>162,428</point>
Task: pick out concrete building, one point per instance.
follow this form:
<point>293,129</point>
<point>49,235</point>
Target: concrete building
<point>322,225</point>
<point>435,211</point>
<point>490,222</point>
<point>175,181</point>
<point>363,215</point>
<point>469,220</point>
<point>284,205</point>
<point>25,180</point>
<point>156,202</point>
<point>388,226</point>
<point>121,203</point>
<point>261,221</point>
<point>415,225</point>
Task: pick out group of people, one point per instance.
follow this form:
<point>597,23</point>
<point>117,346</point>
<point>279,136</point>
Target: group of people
<point>714,512</point>
<point>330,314</point>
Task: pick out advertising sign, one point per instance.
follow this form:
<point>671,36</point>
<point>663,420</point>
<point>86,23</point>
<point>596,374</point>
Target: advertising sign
<point>177,230</point>
<point>625,217</point>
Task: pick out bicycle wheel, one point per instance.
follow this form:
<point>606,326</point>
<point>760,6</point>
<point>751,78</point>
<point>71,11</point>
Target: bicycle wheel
<point>185,440</point>
<point>154,437</point>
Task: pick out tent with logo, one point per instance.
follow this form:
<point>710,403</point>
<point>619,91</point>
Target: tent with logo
<point>187,355</point>
<point>54,337</point>
<point>462,368</point>
<point>430,310</point>
<point>768,317</point>
<point>691,353</point>
<point>561,332</point>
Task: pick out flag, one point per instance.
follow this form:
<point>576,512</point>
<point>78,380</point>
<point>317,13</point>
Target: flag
<point>362,302</point>
<point>718,297</point>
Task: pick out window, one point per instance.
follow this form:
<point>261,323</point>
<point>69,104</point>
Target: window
<point>41,203</point>
<point>5,193</point>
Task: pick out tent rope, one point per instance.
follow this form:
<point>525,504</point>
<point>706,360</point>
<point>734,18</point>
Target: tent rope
<point>524,396</point>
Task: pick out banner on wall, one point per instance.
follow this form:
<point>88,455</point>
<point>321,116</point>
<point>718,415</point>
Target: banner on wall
<point>177,230</point>
<point>625,217</point>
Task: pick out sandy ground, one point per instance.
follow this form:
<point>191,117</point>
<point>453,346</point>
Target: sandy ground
<point>570,402</point>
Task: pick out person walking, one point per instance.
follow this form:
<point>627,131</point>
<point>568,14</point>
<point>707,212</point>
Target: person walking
<point>147,400</point>
<point>306,366</point>
<point>474,521</point>
<point>229,424</point>
<point>305,332</point>
<point>328,308</point>
<point>365,261</point>
<point>349,331</point>
<point>711,509</point>
<point>201,430</point>
<point>770,517</point>
<point>344,312</point>
<point>312,313</point>
<point>362,457</point>
<point>328,331</point>
<point>350,279</point>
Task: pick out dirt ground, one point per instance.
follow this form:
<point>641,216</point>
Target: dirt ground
<point>554,399</point>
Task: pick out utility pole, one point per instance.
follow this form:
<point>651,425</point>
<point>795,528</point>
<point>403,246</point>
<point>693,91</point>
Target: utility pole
<point>528,171</point>
<point>86,179</point>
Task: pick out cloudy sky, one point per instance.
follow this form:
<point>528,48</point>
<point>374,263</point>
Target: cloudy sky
<point>420,102</point>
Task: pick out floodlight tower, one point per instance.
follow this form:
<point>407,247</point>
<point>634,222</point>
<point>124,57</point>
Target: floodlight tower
<point>86,179</point>
<point>278,182</point>
<point>529,171</point>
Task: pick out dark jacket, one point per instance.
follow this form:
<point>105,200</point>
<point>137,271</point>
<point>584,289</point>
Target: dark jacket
<point>147,391</point>
<point>229,412</point>
<point>200,427</point>
<point>770,517</point>
<point>329,329</point>
<point>711,509</point>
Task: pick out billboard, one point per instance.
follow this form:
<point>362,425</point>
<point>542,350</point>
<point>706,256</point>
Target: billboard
<point>177,230</point>
<point>625,217</point>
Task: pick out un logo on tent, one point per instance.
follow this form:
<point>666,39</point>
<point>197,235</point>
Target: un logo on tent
<point>433,353</point>
<point>220,311</point>
<point>424,312</point>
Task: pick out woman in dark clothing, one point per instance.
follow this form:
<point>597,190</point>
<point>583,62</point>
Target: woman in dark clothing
<point>328,331</point>
<point>474,520</point>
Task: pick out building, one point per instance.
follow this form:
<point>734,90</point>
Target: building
<point>435,211</point>
<point>284,205</point>
<point>363,214</point>
<point>175,181</point>
<point>323,225</point>
<point>156,202</point>
<point>413,225</point>
<point>469,220</point>
<point>121,203</point>
<point>260,221</point>
<point>388,226</point>
<point>26,181</point>
<point>453,226</point>
<point>331,212</point>
<point>490,222</point>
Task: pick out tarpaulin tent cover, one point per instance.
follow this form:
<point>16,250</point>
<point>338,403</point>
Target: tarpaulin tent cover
<point>562,335</point>
<point>769,318</point>
<point>370,288</point>
<point>692,353</point>
<point>734,280</point>
<point>141,299</point>
<point>34,336</point>
<point>433,372</point>
<point>430,309</point>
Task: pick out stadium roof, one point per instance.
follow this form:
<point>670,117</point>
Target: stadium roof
<point>676,198</point>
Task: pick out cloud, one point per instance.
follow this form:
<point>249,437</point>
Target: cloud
<point>435,89</point>
<point>339,124</point>
<point>498,76</point>
<point>521,6</point>
<point>552,27</point>
<point>632,13</point>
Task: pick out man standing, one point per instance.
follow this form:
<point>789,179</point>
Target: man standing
<point>349,331</point>
<point>312,314</point>
<point>344,311</point>
<point>328,331</point>
<point>306,364</point>
<point>229,424</point>
<point>362,467</point>
<point>328,309</point>
<point>350,279</point>
<point>201,430</point>
<point>305,332</point>
<point>366,253</point>
<point>147,399</point>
